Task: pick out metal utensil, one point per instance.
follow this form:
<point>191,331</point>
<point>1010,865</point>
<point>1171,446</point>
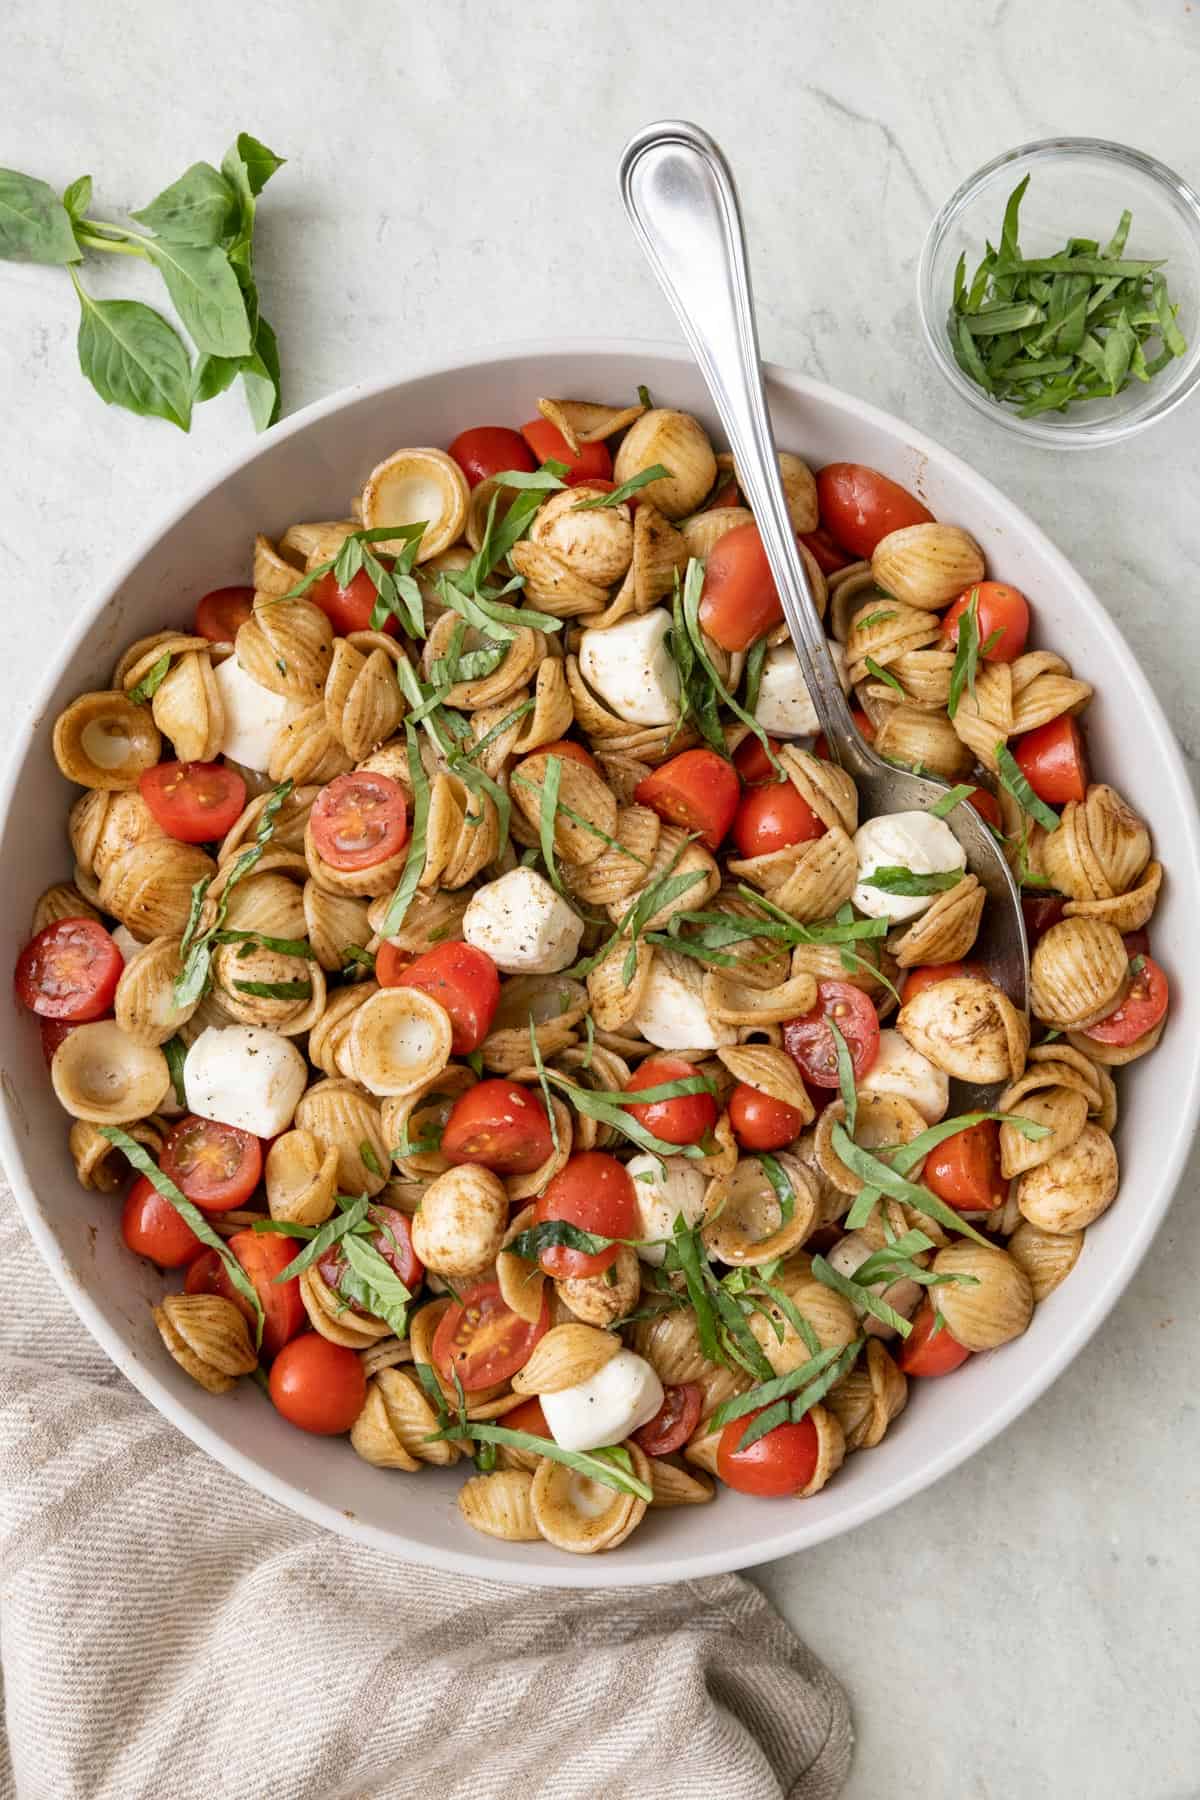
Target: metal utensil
<point>683,205</point>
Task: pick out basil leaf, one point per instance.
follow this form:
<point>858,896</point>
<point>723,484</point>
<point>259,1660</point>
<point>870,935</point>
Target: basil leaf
<point>778,1388</point>
<point>845,1068</point>
<point>387,1297</point>
<point>259,162</point>
<point>910,882</point>
<point>593,1464</point>
<point>554,1233</point>
<point>595,1106</point>
<point>414,864</point>
<point>205,293</point>
<point>955,797</point>
<point>784,1192</point>
<point>35,226</point>
<point>77,197</point>
<point>175,1051</point>
<point>550,786</point>
<point>859,1297</point>
<point>692,588</point>
<point>693,1261</point>
<point>966,654</point>
<point>1012,778</point>
<point>882,674</point>
<point>321,1240</point>
<point>213,374</point>
<point>260,377</point>
<point>276,990</point>
<point>198,209</point>
<point>540,1066</point>
<point>134,359</point>
<point>642,479</point>
<point>150,683</point>
<point>878,1174</point>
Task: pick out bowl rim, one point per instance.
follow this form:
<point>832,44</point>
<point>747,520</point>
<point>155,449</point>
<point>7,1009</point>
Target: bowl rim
<point>495,1565</point>
<point>1044,431</point>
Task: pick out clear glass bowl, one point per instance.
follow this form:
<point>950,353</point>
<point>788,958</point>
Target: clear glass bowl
<point>1078,188</point>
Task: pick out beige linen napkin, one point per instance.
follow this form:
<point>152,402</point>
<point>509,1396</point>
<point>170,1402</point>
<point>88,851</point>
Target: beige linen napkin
<point>167,1632</point>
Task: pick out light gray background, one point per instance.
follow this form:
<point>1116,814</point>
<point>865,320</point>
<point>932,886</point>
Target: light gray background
<point>1028,1628</point>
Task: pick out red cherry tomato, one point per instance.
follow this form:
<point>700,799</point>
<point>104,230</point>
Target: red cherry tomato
<point>483,1340</point>
<point>865,727</point>
<point>726,495</point>
<point>739,601</point>
<point>782,1462</point>
<point>698,790</point>
<point>501,1126</point>
<point>859,506</point>
<point>824,552</point>
<point>70,970</point>
<point>752,763</point>
<point>964,1170</point>
<point>393,1240</point>
<point>810,1043</point>
<point>463,980</point>
<point>221,614</point>
<point>576,752</point>
<point>928,1350</point>
<point>1139,1012</point>
<point>683,1120</point>
<point>674,1422</point>
<point>317,1385</point>
<point>760,1122</point>
<point>1040,913</point>
<point>1053,761</point>
<point>390,963</point>
<point>929,974</point>
<point>487,450</point>
<point>595,1192</point>
<point>549,445</point>
<point>988,808</point>
<point>216,1167</point>
<point>264,1258</point>
<point>998,608</point>
<point>194,802</point>
<point>773,816</point>
<point>359,820</point>
<point>54,1031</point>
<point>1137,943</point>
<point>151,1227</point>
<point>528,1417</point>
<point>349,608</point>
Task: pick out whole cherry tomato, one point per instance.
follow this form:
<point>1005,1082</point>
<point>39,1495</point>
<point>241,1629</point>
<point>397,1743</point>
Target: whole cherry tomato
<point>686,1118</point>
<point>929,1349</point>
<point>1001,612</point>
<point>782,1462</point>
<point>487,450</point>
<point>595,1192</point>
<point>761,1122</point>
<point>319,1386</point>
<point>859,506</point>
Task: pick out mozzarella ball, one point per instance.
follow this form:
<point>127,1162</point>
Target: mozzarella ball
<point>664,1188</point>
<point>245,1075</point>
<point>631,667</point>
<point>905,840</point>
<point>458,1229</point>
<point>784,706</point>
<point>672,1015</point>
<point>607,1407</point>
<point>523,925</point>
<point>254,715</point>
<point>899,1069</point>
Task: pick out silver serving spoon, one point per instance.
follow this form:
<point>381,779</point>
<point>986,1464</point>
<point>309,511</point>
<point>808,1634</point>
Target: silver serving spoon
<point>683,205</point>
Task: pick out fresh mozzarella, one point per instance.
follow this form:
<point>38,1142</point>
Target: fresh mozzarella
<point>672,1014</point>
<point>899,1069</point>
<point>246,1076</point>
<point>606,1407</point>
<point>253,715</point>
<point>784,706</point>
<point>523,925</point>
<point>905,840</point>
<point>126,943</point>
<point>664,1188</point>
<point>632,669</point>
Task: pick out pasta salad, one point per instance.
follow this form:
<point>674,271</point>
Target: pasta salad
<point>477,979</point>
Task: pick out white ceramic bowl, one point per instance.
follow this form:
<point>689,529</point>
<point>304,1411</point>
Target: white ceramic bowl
<point>308,468</point>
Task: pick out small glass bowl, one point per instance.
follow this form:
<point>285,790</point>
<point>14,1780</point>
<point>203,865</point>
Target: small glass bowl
<point>1078,188</point>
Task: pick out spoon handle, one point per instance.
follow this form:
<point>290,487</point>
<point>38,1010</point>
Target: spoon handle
<point>683,205</point>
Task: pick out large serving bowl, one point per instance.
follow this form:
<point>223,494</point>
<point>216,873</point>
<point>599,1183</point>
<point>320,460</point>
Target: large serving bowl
<point>307,468</point>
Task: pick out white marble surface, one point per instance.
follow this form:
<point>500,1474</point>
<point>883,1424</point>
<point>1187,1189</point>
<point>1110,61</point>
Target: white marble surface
<point>1028,1628</point>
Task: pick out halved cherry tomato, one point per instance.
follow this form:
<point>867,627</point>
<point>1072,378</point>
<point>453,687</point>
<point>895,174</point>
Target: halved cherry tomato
<point>928,1349</point>
<point>393,1240</point>
<point>317,1385</point>
<point>359,820</point>
<point>1040,913</point>
<point>859,506</point>
<point>194,802</point>
<point>988,808</point>
<point>221,614</point>
<point>548,444</point>
<point>391,962</point>
<point>70,970</point>
<point>595,1192</point>
<point>761,1122</point>
<point>810,1043</point>
<point>824,552</point>
<point>698,790</point>
<point>1144,1005</point>
<point>726,495</point>
<point>964,1170</point>
<point>482,1340</point>
<point>151,1227</point>
<point>674,1422</point>
<point>1137,943</point>
<point>683,1120</point>
<point>487,450</point>
<point>929,974</point>
<point>998,608</point>
<point>216,1167</point>
<point>569,748</point>
<point>1053,761</point>
<point>865,727</point>
<point>773,816</point>
<point>781,1462</point>
<point>264,1258</point>
<point>349,608</point>
<point>739,600</point>
<point>54,1031</point>
<point>499,1125</point>
<point>529,1417</point>
<point>752,763</point>
<point>463,980</point>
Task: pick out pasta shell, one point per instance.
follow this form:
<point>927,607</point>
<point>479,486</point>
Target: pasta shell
<point>188,709</point>
<point>594,541</point>
<point>882,1119</point>
<point>611,877</point>
<point>680,443</point>
<point>925,677</point>
<point>274,573</point>
<point>676,1486</point>
<point>316,541</point>
<point>670,1343</point>
<point>552,586</point>
<point>1063,1110</point>
<point>868,1398</point>
<point>363,703</point>
<point>947,931</point>
<point>574,1513</point>
<point>1047,1257</point>
<point>372,1435</point>
<point>432,918</point>
<point>289,822</point>
<point>967,1028</point>
<point>329,1314</point>
<point>500,1505</point>
<point>831,1317</point>
<point>307,750</point>
<point>411,1420</point>
<point>397,1039</point>
<point>1078,973</point>
<point>460,1227</point>
<point>136,662</point>
<point>603,1299</point>
<point>553,710</point>
<point>887,631</point>
<point>208,1338</point>
<point>799,490</point>
<point>809,880</point>
<point>235,972</point>
<point>552,1004</point>
<point>144,1003</point>
<point>99,1164</point>
<point>421,1115</point>
<point>61,901</point>
<point>521,1282</point>
<point>673,852</point>
<point>1115,1056</point>
<point>286,646</point>
<point>728,1001</point>
<point>923,739</point>
<point>103,741</point>
<point>149,887</point>
<point>750,1227</point>
<point>1125,912</point>
<point>342,1117</point>
<point>1072,1189</point>
<point>996,1309</point>
<point>984,715</point>
<point>831,1451</point>
<point>701,1448</point>
<point>102,1075</point>
<point>927,565</point>
<point>301,1179</point>
<point>387,1353</point>
<point>1044,689</point>
<point>771,1071</point>
<point>334,925</point>
<point>1100,848</point>
<point>411,486</point>
<point>583,796</point>
<point>567,1355</point>
<point>103,825</point>
<point>587,422</point>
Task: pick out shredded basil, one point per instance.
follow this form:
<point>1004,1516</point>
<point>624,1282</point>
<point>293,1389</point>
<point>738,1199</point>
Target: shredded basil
<point>1013,779</point>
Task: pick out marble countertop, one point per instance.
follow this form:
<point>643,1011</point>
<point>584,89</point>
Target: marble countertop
<point>1028,1627</point>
